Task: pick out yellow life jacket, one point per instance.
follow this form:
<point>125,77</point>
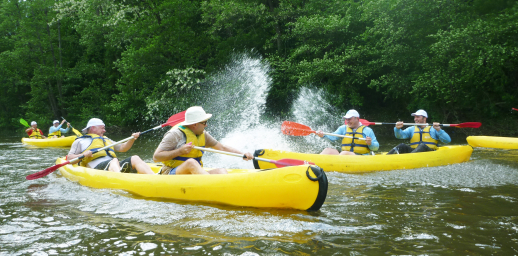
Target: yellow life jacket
<point>423,136</point>
<point>97,142</point>
<point>57,133</point>
<point>35,134</point>
<point>355,145</point>
<point>194,154</point>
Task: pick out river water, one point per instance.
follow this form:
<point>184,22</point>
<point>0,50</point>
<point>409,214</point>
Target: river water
<point>462,209</point>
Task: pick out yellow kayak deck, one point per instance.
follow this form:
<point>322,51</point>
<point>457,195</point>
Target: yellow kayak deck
<point>298,187</point>
<point>358,163</point>
<point>493,142</point>
<point>57,142</point>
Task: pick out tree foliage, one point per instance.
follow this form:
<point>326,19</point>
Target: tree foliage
<point>127,60</point>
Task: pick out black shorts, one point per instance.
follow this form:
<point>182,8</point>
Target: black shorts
<point>126,166</point>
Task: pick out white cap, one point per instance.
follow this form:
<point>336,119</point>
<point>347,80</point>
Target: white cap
<point>93,122</point>
<point>352,113</point>
<point>33,123</point>
<point>55,122</point>
<point>194,115</point>
<point>420,112</point>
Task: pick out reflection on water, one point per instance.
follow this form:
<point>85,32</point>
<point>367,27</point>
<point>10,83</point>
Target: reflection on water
<point>462,209</point>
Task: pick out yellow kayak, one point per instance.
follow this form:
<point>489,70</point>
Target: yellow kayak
<point>358,164</point>
<point>58,142</point>
<point>302,187</point>
<point>493,142</point>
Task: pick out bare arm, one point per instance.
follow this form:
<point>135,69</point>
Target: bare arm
<point>126,145</point>
<point>165,155</point>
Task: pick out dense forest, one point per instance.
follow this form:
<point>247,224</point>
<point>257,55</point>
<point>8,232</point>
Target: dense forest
<point>83,58</point>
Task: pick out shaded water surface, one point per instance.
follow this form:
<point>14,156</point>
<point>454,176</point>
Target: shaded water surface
<point>467,208</point>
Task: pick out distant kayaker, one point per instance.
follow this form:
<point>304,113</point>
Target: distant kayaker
<point>34,132</point>
<point>353,128</point>
<point>422,138</point>
<point>55,131</point>
<point>176,150</point>
<point>105,159</point>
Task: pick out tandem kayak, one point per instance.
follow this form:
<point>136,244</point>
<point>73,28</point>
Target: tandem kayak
<point>493,142</point>
<point>302,187</point>
<point>58,142</point>
<point>358,164</point>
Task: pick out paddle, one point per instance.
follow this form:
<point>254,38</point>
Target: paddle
<point>279,163</point>
<point>22,121</point>
<point>461,125</point>
<point>296,129</point>
<point>515,109</point>
<point>173,120</point>
<point>78,133</point>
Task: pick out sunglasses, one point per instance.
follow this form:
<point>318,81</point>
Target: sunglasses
<point>204,123</point>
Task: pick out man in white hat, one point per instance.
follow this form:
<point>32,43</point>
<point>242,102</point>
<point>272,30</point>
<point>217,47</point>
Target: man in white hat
<point>55,131</point>
<point>352,128</point>
<point>34,132</point>
<point>422,138</point>
<point>105,159</point>
<point>177,151</point>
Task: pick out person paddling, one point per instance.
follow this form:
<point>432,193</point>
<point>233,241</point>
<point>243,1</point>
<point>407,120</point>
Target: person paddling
<point>55,131</point>
<point>34,132</point>
<point>176,150</point>
<point>422,138</point>
<point>352,146</point>
<point>105,159</point>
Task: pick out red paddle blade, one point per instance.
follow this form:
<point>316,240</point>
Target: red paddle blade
<point>175,119</point>
<point>468,125</point>
<point>365,122</point>
<point>515,109</point>
<point>289,162</point>
<point>295,129</point>
<point>45,172</point>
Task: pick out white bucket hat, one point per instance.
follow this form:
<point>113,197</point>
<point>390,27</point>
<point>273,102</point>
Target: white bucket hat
<point>194,115</point>
<point>420,112</point>
<point>33,123</point>
<point>93,122</point>
<point>352,113</point>
<point>55,122</point>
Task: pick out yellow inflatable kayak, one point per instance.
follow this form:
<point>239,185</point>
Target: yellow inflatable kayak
<point>58,142</point>
<point>302,187</point>
<point>493,142</point>
<point>359,164</point>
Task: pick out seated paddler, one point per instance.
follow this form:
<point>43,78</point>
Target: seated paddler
<point>176,150</point>
<point>359,140</point>
<point>55,131</point>
<point>34,132</point>
<point>105,159</point>
<point>422,137</point>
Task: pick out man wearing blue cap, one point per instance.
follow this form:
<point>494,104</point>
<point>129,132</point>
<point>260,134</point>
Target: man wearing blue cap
<point>422,138</point>
<point>360,139</point>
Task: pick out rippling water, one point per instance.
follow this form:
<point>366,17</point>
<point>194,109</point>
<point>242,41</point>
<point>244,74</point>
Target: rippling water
<point>467,208</point>
<point>461,209</point>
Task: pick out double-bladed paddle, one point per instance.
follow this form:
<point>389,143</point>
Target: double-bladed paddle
<point>461,125</point>
<point>22,121</point>
<point>515,109</point>
<point>77,133</point>
<point>173,120</point>
<point>296,129</point>
<point>279,163</point>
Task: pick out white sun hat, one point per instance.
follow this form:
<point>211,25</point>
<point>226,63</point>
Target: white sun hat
<point>55,122</point>
<point>194,115</point>
<point>352,113</point>
<point>33,123</point>
<point>420,112</point>
<point>93,122</point>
